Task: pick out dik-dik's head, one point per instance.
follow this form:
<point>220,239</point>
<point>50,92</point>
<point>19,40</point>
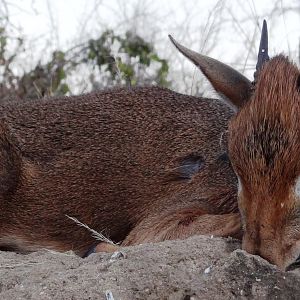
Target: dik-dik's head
<point>264,149</point>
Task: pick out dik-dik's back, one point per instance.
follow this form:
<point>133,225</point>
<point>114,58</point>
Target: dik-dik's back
<point>135,164</point>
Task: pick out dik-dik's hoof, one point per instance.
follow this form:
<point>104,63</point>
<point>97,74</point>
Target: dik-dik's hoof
<point>102,247</point>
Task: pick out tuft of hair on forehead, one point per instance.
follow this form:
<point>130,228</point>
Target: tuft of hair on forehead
<point>277,87</point>
<point>264,142</point>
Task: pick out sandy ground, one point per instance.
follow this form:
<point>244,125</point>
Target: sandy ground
<point>197,268</point>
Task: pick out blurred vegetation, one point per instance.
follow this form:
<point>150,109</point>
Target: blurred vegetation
<point>133,62</point>
<point>33,67</point>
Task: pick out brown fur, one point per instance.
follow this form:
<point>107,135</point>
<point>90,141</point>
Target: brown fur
<point>264,147</point>
<point>138,165</point>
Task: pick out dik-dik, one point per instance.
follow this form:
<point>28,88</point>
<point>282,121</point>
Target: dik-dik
<point>138,165</point>
<point>264,149</point>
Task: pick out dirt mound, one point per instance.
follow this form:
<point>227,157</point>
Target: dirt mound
<point>197,268</point>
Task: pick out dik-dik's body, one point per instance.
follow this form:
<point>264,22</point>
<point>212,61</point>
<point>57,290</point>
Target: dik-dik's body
<point>138,165</point>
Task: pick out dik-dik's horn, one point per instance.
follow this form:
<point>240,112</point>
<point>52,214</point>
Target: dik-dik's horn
<point>263,55</point>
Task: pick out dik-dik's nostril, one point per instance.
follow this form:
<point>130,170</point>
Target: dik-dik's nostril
<point>294,265</point>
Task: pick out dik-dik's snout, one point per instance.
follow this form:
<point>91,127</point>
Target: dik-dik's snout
<point>267,249</point>
<point>285,257</point>
<point>271,229</point>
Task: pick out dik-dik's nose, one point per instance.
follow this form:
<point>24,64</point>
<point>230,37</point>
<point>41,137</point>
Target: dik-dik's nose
<point>264,248</point>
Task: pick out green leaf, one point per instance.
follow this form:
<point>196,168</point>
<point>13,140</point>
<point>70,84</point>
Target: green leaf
<point>64,88</point>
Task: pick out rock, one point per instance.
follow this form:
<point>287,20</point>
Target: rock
<point>175,270</point>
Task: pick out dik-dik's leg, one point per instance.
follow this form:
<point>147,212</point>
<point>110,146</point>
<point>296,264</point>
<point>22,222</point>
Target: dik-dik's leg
<point>182,224</point>
<point>179,225</point>
<point>102,247</point>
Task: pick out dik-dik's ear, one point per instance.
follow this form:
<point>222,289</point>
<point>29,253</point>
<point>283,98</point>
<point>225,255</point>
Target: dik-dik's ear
<point>10,160</point>
<point>226,81</point>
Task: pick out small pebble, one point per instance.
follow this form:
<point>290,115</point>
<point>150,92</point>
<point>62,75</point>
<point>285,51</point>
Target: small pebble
<point>109,295</point>
<point>208,270</point>
<point>116,255</point>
